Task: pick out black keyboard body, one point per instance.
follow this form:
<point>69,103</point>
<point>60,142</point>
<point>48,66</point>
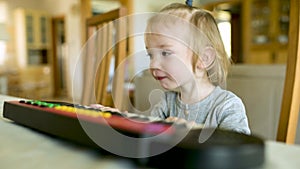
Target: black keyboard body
<point>221,150</point>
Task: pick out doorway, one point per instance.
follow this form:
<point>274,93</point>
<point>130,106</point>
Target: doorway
<point>59,56</point>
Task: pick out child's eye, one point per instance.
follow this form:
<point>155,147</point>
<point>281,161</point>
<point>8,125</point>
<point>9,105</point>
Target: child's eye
<point>165,53</point>
<point>149,54</point>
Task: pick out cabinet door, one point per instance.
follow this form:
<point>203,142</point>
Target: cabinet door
<point>44,30</point>
<point>260,57</point>
<point>30,28</point>
<point>281,57</point>
<point>266,27</point>
<point>37,29</point>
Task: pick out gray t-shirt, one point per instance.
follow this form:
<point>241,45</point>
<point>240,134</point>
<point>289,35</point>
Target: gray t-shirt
<point>221,109</point>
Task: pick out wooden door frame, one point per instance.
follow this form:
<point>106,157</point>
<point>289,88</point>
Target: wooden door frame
<point>56,74</point>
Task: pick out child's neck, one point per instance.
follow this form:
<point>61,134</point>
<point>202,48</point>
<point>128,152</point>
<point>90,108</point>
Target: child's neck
<point>196,92</point>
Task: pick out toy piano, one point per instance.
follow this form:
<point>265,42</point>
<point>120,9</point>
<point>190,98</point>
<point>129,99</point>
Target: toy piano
<point>153,143</point>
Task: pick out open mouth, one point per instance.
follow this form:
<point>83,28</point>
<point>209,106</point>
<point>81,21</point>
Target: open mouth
<point>160,77</point>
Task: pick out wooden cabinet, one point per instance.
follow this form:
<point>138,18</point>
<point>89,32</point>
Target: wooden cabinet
<point>265,27</point>
<point>32,30</point>
<point>37,28</point>
<point>33,50</point>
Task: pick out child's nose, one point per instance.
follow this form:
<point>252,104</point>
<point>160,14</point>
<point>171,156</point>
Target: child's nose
<point>154,63</point>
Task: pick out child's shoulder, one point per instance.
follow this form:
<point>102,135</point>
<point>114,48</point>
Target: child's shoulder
<point>225,94</point>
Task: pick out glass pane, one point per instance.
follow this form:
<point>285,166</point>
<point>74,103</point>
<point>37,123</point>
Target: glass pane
<point>260,14</point>
<point>43,29</point>
<point>29,29</point>
<point>284,8</point>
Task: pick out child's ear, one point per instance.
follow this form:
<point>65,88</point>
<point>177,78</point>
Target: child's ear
<point>207,58</point>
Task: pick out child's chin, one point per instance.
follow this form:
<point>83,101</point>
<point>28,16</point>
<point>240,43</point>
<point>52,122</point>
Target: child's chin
<point>171,88</point>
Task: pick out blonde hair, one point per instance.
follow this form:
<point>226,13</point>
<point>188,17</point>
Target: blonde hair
<point>205,33</point>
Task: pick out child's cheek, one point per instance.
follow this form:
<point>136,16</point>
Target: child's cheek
<point>181,75</point>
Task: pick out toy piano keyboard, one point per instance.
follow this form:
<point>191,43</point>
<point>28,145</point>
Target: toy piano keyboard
<point>223,149</point>
<point>66,119</point>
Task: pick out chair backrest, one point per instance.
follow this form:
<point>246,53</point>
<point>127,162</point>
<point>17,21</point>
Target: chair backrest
<point>291,97</point>
<point>106,46</point>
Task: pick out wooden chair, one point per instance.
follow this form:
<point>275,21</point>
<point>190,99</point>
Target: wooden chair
<point>291,97</point>
<point>106,42</point>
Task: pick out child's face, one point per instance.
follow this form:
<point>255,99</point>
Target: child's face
<point>170,61</point>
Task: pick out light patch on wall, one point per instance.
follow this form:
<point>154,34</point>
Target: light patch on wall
<point>225,31</point>
<point>3,31</point>
<point>2,51</point>
<point>223,19</point>
<point>3,11</point>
